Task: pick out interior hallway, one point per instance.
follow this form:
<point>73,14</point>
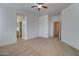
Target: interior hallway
<point>39,47</point>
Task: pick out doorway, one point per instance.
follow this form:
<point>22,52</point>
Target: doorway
<point>57,29</point>
<point>20,25</point>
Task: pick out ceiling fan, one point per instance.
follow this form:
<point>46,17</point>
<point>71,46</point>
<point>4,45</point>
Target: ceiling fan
<point>39,6</point>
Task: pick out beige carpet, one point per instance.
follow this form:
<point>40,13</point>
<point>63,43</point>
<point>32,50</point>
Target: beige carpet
<point>38,47</point>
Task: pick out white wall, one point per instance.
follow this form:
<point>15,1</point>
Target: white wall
<point>24,28</point>
<point>70,25</point>
<point>43,26</point>
<point>7,25</point>
<point>49,26</point>
<point>32,27</point>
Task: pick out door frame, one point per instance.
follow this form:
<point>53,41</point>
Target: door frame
<point>59,28</point>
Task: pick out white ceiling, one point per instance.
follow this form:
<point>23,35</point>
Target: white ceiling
<point>53,8</point>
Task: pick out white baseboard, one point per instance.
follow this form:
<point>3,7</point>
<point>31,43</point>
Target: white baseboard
<point>70,45</point>
<point>31,37</point>
<point>7,42</point>
<point>45,36</point>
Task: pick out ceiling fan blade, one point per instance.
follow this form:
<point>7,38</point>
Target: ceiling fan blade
<point>33,6</point>
<point>44,6</point>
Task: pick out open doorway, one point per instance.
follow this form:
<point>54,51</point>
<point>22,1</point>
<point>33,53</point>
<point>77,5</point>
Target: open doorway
<point>20,25</point>
<point>57,29</point>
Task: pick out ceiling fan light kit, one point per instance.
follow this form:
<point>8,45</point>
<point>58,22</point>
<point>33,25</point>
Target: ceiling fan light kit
<point>40,5</point>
